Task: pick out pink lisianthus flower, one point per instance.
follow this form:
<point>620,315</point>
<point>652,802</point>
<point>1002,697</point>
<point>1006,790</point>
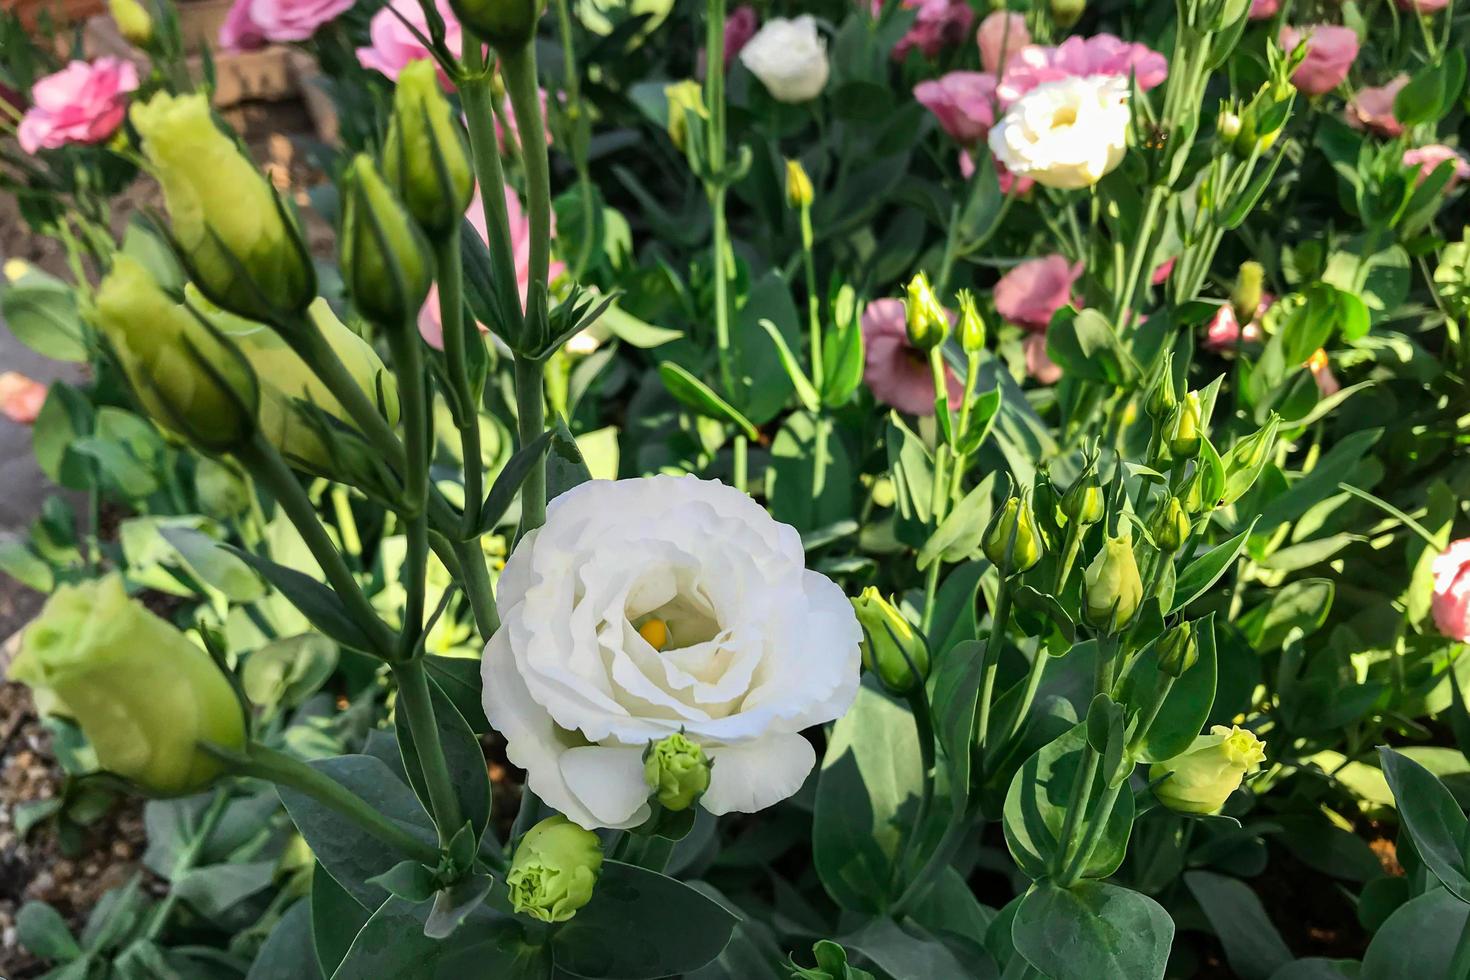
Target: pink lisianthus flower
<point>1030,293</point>
<point>82,103</point>
<point>252,23</point>
<point>1428,160</point>
<point>1002,33</point>
<point>898,373</point>
<point>514,127</point>
<point>940,24</point>
<point>21,398</point>
<point>1039,364</point>
<point>1422,6</point>
<point>1101,54</point>
<point>1331,51</point>
<point>1003,177</point>
<point>1451,602</point>
<point>393,45</point>
<point>1372,108</point>
<point>1163,271</point>
<point>430,326</point>
<point>963,101</point>
<point>1223,330</point>
<point>1263,9</point>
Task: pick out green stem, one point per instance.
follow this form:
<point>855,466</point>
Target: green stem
<point>188,858</point>
<point>408,360</point>
<point>931,595</point>
<point>1069,558</point>
<point>519,68</point>
<point>476,582</point>
<point>715,186</point>
<point>813,300</point>
<point>1028,697</point>
<point>972,377</point>
<point>277,767</point>
<point>1095,830</point>
<point>998,622</point>
<point>451,319</point>
<point>918,700</point>
<point>741,463</point>
<point>266,465</point>
<point>530,423</point>
<point>474,91</point>
<point>1081,793</point>
<point>577,113</point>
<point>307,341</point>
<point>415,701</point>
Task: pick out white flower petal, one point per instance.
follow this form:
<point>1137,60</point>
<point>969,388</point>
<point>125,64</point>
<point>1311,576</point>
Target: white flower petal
<point>609,783</point>
<point>753,775</point>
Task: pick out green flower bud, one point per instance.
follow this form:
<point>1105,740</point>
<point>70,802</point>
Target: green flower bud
<point>1227,123</point>
<point>133,21</point>
<point>144,695</point>
<point>799,191</point>
<point>1178,650</point>
<point>1202,778</point>
<point>385,260</point>
<point>1015,518</point>
<point>683,98</point>
<point>677,771</point>
<point>1065,13</point>
<point>1245,297</point>
<point>1084,502</point>
<point>507,24</point>
<point>187,376</point>
<point>972,325</point>
<point>1185,431</point>
<point>238,241</point>
<point>220,491</point>
<point>927,322</point>
<point>1171,527</point>
<point>1112,588</point>
<point>1162,397</point>
<point>554,870</point>
<point>426,159</point>
<point>891,647</point>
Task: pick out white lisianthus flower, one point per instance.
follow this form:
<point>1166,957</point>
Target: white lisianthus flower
<point>789,57</point>
<point>651,606</point>
<point>1067,133</point>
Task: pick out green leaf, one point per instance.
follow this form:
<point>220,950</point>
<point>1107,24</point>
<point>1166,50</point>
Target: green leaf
<point>1046,604</point>
<point>42,930</point>
<point>565,465</point>
<point>633,331</point>
<point>1083,345</point>
<point>1432,818</point>
<point>41,311</point>
<point>287,953</point>
<point>459,679</point>
<point>1187,706</point>
<point>812,480</point>
<point>1092,930</point>
<point>956,686</point>
<point>1320,482</point>
<point>317,603</point>
<point>408,880</point>
<point>1206,570</point>
<point>215,889</point>
<point>957,538</point>
<point>393,944</point>
<point>284,673</point>
<point>521,464</point>
<point>634,902</point>
<point>762,387</point>
<point>1253,947</point>
<point>209,562</point>
<point>805,391</point>
<point>461,751</point>
<point>909,952</point>
<point>1036,809</point>
<point>982,419</point>
<point>1300,605</point>
<point>843,362</point>
<point>698,396</point>
<point>1418,941</point>
<point>336,919</point>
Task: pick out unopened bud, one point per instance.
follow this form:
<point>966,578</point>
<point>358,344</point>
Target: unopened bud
<point>509,25</point>
<point>1178,650</point>
<point>928,325</point>
<point>133,21</point>
<point>1112,588</point>
<point>1065,13</point>
<point>1245,297</point>
<point>1171,528</point>
<point>799,193</point>
<point>1083,503</point>
<point>684,98</point>
<point>1202,778</point>
<point>1227,125</point>
<point>676,770</point>
<point>1162,398</point>
<point>384,256</point>
<point>891,647</point>
<point>554,870</point>
<point>1185,432</point>
<point>972,325</point>
<point>426,159</point>
<point>1012,542</point>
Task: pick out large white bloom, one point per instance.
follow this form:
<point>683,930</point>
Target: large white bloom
<point>748,647</point>
<point>1067,133</point>
<point>789,57</point>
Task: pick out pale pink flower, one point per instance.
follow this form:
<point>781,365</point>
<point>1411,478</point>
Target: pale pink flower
<point>1423,6</point>
<point>1263,9</point>
<point>963,101</point>
<point>393,44</point>
<point>940,24</point>
<point>1001,34</point>
<point>251,23</point>
<point>1039,364</point>
<point>1372,108</point>
<point>430,327</point>
<point>1101,54</point>
<point>21,398</point>
<point>1331,51</point>
<point>897,372</point>
<point>1030,293</point>
<point>515,127</point>
<point>1428,159</point>
<point>1451,602</point>
<point>82,103</point>
<point>1163,271</point>
<point>1223,330</point>
<point>1003,177</point>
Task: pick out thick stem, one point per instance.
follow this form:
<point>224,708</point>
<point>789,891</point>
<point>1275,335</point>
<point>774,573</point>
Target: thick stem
<point>413,392</point>
<point>479,115</point>
<point>476,583</point>
<point>285,770</point>
<point>972,377</point>
<point>414,699</point>
<point>1028,697</point>
<point>451,319</point>
<point>998,622</point>
<point>530,423</point>
<point>1095,830</point>
<point>1081,794</point>
<point>578,116</point>
<point>307,341</point>
<point>519,68</point>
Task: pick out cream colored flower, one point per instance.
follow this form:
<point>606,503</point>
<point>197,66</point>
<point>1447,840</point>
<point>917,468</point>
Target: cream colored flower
<point>651,606</point>
<point>789,57</point>
<point>1066,134</point>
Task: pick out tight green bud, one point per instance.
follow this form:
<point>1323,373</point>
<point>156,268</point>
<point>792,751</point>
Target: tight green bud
<point>187,375</point>
<point>972,324</point>
<point>1171,527</point>
<point>676,770</point>
<point>507,24</point>
<point>554,870</point>
<point>1065,13</point>
<point>683,98</point>
<point>1178,650</point>
<point>426,159</point>
<point>1112,588</point>
<point>927,322</point>
<point>1185,432</point>
<point>799,191</point>
<point>891,647</point>
<point>1162,397</point>
<point>1245,297</point>
<point>384,256</point>
<point>1202,778</point>
<point>1084,503</point>
<point>1014,519</point>
<point>143,694</point>
<point>133,21</point>
<point>241,247</point>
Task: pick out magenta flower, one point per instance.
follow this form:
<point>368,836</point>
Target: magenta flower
<point>82,103</point>
<point>1223,330</point>
<point>1163,271</point>
<point>393,44</point>
<point>740,27</point>
<point>1423,6</point>
<point>1331,51</point>
<point>963,101</point>
<point>430,327</point>
<point>1001,34</point>
<point>1039,365</point>
<point>1263,9</point>
<point>940,24</point>
<point>21,398</point>
<point>1451,602</point>
<point>1101,54</point>
<point>897,372</point>
<point>1428,159</point>
<point>1030,293</point>
<point>252,23</point>
<point>1372,108</point>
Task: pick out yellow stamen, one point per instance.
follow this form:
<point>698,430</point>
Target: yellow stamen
<point>656,632</point>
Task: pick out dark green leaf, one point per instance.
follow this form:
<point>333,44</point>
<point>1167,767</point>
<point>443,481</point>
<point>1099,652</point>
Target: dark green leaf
<point>1093,930</point>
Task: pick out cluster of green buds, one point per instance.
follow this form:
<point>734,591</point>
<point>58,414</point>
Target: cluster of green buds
<point>928,324</point>
<point>554,870</point>
<point>1253,127</point>
<point>891,647</point>
<point>1013,541</point>
<point>677,771</point>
